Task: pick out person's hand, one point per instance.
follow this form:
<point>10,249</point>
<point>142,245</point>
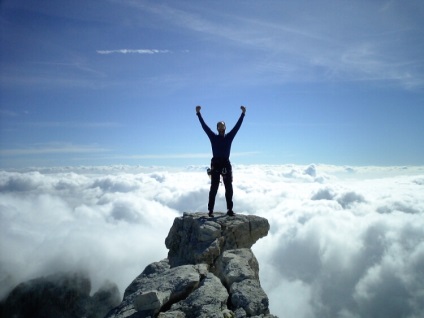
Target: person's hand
<point>243,109</point>
<point>198,109</point>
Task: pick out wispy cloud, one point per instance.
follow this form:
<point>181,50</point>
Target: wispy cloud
<point>313,49</point>
<point>52,149</point>
<point>63,124</point>
<point>134,51</point>
<point>75,125</point>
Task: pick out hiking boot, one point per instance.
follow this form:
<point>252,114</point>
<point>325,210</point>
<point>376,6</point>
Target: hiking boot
<point>230,213</point>
<point>210,214</point>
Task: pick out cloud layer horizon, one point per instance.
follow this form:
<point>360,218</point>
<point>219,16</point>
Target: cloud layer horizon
<point>344,241</point>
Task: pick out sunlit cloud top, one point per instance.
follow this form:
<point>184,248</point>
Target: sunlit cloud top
<point>362,226</point>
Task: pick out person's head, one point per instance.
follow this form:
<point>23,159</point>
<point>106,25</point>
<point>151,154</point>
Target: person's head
<point>221,127</point>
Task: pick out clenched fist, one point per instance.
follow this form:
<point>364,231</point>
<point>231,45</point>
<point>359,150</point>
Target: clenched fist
<point>198,109</point>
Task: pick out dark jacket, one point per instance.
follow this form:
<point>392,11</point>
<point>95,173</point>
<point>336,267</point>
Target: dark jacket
<point>221,145</point>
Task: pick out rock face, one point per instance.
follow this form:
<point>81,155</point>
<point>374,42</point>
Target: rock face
<point>65,295</point>
<point>210,272</point>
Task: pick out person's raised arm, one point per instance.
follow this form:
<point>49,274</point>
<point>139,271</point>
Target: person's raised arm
<point>205,127</point>
<point>234,131</point>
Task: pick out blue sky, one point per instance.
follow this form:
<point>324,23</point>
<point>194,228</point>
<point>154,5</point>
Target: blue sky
<point>117,82</point>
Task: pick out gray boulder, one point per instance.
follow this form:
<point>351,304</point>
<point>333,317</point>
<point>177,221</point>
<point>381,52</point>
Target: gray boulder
<point>239,272</point>
<point>249,295</point>
<point>157,288</point>
<point>210,272</point>
<point>209,300</point>
<point>237,265</point>
<point>194,238</point>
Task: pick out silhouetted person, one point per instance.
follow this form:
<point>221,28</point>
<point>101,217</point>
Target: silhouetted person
<point>220,163</point>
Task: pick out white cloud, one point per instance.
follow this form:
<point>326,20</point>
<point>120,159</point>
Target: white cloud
<point>344,241</point>
<point>133,51</point>
<point>52,148</point>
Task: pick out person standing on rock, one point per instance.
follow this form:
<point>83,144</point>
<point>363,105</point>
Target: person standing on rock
<point>220,162</point>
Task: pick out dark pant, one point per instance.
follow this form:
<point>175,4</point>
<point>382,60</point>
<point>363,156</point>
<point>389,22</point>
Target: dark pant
<point>220,168</point>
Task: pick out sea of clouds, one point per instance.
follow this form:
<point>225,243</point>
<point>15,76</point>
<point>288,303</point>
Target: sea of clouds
<point>344,242</point>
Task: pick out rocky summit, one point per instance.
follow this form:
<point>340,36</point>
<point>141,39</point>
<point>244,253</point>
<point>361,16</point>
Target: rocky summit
<point>210,272</point>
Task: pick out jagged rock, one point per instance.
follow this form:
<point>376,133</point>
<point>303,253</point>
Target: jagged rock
<point>249,295</point>
<point>152,270</point>
<point>171,314</point>
<point>239,271</point>
<point>210,272</point>
<point>194,238</point>
<point>157,288</point>
<point>237,265</point>
<point>208,301</point>
<point>65,295</point>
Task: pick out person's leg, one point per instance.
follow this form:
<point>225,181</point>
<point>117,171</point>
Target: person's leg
<point>228,182</point>
<point>215,176</point>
